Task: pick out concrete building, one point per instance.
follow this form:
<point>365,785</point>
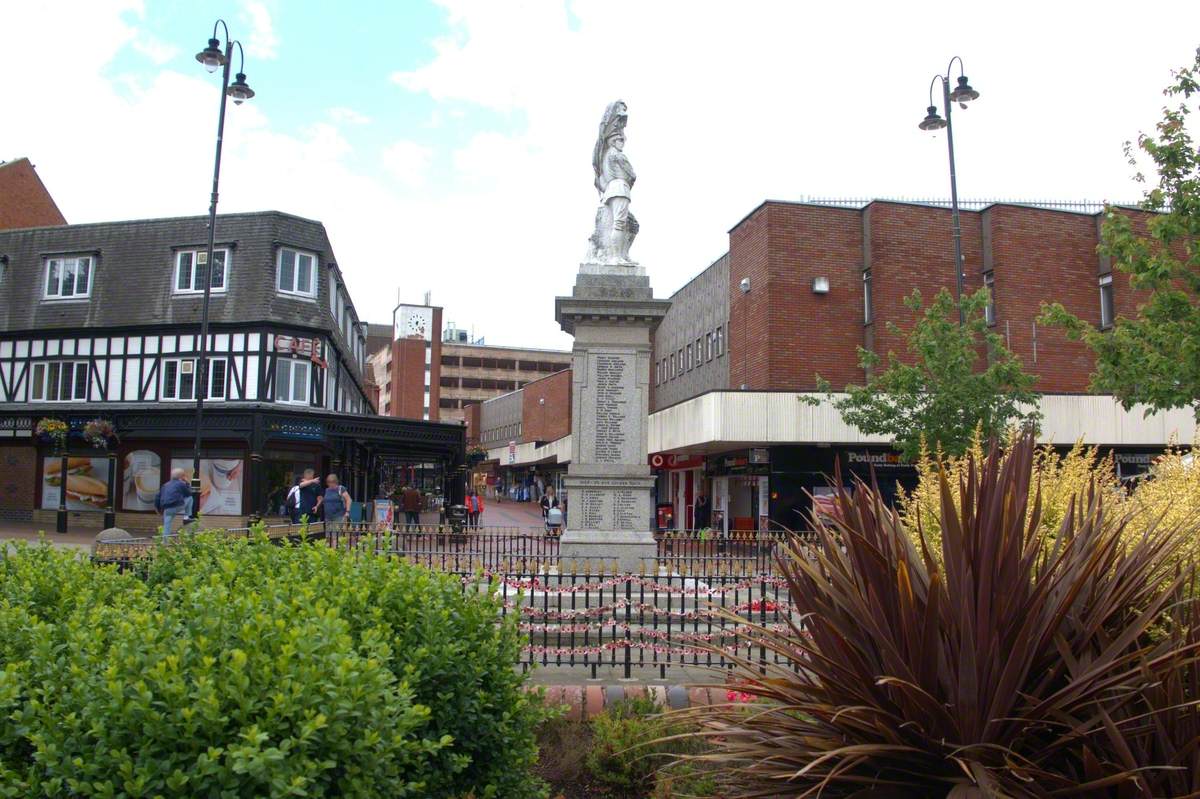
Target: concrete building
<point>472,373</point>
<point>803,286</point>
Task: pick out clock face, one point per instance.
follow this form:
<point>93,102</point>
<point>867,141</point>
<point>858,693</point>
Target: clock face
<point>414,321</point>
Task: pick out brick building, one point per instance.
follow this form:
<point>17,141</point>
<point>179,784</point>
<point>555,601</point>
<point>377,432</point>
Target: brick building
<point>423,373</point>
<point>803,286</point>
<point>24,200</point>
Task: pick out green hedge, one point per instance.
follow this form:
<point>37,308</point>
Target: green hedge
<point>240,668</point>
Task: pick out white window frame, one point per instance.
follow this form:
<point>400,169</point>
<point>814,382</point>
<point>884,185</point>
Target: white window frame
<point>989,310</point>
<point>292,365</point>
<point>196,255</point>
<point>61,261</point>
<point>1108,304</point>
<point>296,290</point>
<point>720,340</point>
<point>39,381</point>
<point>176,395</point>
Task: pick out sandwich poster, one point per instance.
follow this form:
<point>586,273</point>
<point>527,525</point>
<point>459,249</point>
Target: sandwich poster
<point>220,484</point>
<point>85,483</point>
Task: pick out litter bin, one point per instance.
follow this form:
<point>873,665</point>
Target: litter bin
<point>456,517</point>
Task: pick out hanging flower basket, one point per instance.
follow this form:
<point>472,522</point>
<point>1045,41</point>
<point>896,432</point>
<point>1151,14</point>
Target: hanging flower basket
<point>52,431</point>
<point>476,455</point>
<point>100,433</point>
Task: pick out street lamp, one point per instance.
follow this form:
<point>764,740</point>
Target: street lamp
<point>213,57</point>
<point>962,94</point>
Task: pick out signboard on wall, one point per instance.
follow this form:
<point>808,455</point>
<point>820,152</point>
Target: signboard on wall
<point>141,476</point>
<point>220,484</point>
<point>512,452</point>
<point>85,483</point>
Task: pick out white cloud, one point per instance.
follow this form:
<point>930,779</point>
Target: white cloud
<point>348,116</point>
<point>262,41</point>
<point>155,49</point>
<point>729,104</point>
<point>407,161</point>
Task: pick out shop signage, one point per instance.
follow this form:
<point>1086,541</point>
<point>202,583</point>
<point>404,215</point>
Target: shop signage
<point>297,431</point>
<point>666,461</point>
<point>760,455</point>
<point>512,452</point>
<point>16,423</point>
<point>1135,458</point>
<point>880,460</point>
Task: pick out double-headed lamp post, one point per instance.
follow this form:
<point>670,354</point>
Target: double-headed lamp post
<point>962,94</point>
<point>213,57</point>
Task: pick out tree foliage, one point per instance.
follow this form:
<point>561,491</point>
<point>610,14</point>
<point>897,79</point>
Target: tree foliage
<point>1154,359</point>
<point>939,395</point>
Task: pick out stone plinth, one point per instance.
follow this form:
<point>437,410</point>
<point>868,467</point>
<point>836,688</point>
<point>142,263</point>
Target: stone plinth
<point>612,314</point>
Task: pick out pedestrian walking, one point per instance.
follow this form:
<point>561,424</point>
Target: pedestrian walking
<point>410,502</point>
<point>303,499</point>
<point>474,508</point>
<point>335,502</point>
<point>174,499</point>
<point>552,512</point>
<point>549,500</point>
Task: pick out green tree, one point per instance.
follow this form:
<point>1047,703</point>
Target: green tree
<point>1155,358</point>
<point>939,395</point>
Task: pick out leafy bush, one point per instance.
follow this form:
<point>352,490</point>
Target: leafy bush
<point>632,741</point>
<point>1017,663</point>
<point>239,668</point>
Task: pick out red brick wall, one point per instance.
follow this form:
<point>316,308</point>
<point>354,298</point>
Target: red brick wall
<point>471,417</point>
<point>408,378</point>
<point>24,201</point>
<point>552,420</point>
<point>746,346</point>
<point>1045,256</point>
<point>912,247</point>
<point>781,334</point>
<point>17,480</point>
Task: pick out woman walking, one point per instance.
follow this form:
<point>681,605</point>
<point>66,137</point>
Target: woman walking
<point>336,502</point>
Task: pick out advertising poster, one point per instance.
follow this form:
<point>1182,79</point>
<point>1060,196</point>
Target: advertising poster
<point>85,483</point>
<point>220,484</point>
<point>141,477</point>
<point>384,512</point>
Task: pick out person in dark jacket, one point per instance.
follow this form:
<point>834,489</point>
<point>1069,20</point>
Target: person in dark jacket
<point>702,519</point>
<point>309,494</point>
<point>174,499</point>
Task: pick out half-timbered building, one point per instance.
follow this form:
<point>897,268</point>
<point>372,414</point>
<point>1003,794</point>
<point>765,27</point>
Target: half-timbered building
<point>101,321</point>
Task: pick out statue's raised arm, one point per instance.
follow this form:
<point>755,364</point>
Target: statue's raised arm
<point>616,227</point>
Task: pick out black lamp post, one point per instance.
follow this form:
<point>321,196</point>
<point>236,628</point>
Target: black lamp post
<point>212,57</point>
<point>962,94</point>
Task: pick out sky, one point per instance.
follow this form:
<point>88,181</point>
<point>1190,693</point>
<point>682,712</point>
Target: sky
<point>446,146</point>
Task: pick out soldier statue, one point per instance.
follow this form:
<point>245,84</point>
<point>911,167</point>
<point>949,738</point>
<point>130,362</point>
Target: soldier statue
<point>616,227</point>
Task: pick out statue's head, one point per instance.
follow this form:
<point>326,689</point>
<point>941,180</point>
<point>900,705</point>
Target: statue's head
<point>617,141</point>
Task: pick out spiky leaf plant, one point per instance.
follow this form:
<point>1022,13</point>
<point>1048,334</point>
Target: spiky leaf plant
<point>1020,663</point>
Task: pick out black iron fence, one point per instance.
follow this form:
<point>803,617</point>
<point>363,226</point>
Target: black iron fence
<point>699,602</point>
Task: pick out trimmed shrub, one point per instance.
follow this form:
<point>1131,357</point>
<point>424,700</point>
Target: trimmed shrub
<point>240,668</point>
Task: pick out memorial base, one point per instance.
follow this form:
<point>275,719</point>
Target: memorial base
<point>632,550</point>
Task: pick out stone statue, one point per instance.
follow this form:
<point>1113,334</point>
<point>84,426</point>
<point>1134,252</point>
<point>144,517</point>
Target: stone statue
<point>616,227</point>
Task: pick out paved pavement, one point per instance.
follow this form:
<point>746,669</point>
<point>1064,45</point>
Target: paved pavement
<point>28,531</point>
<point>510,514</point>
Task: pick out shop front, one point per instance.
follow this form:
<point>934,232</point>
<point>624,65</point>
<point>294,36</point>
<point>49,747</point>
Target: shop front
<point>249,459</point>
<point>740,482</point>
<point>680,482</point>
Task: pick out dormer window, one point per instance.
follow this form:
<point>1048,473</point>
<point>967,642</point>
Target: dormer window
<point>68,277</point>
<point>297,273</point>
<point>191,267</point>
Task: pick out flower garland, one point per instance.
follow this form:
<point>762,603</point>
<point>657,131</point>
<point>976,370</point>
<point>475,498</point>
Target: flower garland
<point>651,583</point>
<point>609,610</point>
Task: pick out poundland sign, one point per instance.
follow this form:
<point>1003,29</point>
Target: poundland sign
<point>880,460</point>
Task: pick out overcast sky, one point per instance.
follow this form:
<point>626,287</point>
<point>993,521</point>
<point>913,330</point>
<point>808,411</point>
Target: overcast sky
<point>447,146</point>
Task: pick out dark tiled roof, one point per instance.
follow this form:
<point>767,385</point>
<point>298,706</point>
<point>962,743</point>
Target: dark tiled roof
<point>134,272</point>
